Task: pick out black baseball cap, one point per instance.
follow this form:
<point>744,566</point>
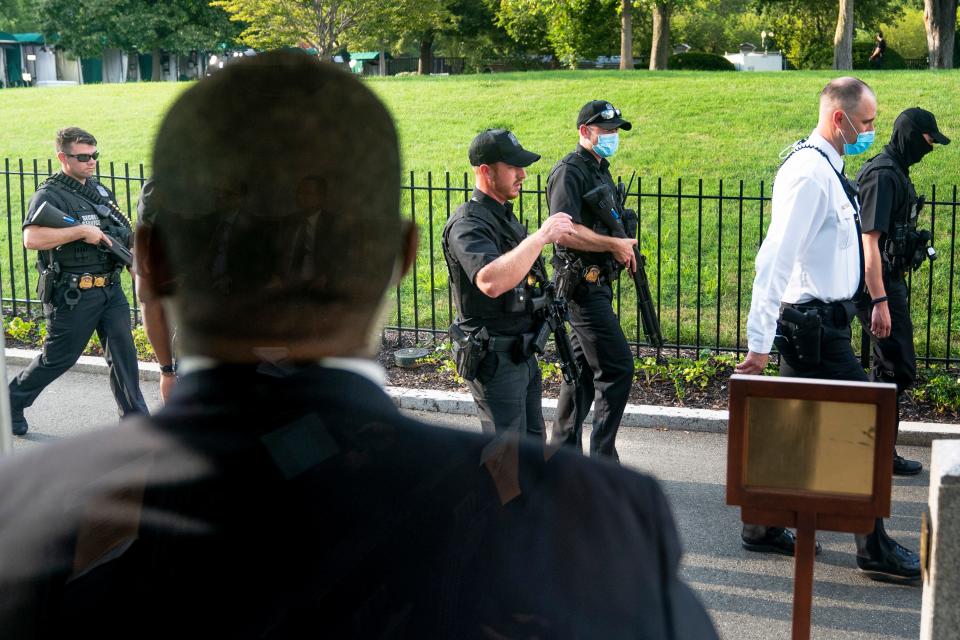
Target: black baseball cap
<point>925,122</point>
<point>499,145</point>
<point>602,114</point>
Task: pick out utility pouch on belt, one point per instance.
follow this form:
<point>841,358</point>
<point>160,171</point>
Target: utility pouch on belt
<point>469,349</point>
<point>45,284</point>
<point>798,336</point>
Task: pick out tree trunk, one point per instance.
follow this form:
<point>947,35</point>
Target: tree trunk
<point>843,37</point>
<point>425,64</point>
<point>626,35</point>
<point>660,49</point>
<point>940,19</point>
<point>382,63</point>
<point>157,69</point>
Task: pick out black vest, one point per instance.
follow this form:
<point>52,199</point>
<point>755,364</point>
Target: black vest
<point>592,177</point>
<point>88,204</point>
<point>501,315</point>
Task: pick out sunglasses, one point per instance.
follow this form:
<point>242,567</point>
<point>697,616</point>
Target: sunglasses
<point>606,114</point>
<point>84,157</point>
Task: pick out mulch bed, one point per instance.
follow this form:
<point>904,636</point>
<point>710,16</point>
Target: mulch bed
<point>659,392</point>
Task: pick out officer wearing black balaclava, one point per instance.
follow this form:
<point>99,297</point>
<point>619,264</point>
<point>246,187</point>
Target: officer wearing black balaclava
<point>892,245</point>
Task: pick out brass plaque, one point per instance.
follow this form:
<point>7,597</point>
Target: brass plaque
<point>810,445</point>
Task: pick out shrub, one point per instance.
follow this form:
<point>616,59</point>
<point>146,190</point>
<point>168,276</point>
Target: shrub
<point>942,391</point>
<point>861,57</point>
<point>20,330</point>
<point>697,60</point>
<point>142,344</point>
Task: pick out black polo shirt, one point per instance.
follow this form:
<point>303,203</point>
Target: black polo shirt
<point>575,174</point>
<point>480,231</point>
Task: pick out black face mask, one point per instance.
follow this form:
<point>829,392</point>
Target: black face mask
<point>908,141</point>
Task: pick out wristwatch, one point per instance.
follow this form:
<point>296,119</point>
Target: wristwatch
<point>167,370</point>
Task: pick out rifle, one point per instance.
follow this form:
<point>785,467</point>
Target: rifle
<point>48,215</point>
<point>551,307</point>
<point>601,201</point>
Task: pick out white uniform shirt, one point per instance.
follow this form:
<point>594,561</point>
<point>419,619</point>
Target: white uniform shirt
<point>812,248</point>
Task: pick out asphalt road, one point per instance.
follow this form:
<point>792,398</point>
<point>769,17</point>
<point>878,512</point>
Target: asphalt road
<point>749,595</point>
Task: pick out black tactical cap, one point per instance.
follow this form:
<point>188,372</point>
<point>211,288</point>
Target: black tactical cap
<point>602,114</point>
<point>925,122</point>
<point>499,145</point>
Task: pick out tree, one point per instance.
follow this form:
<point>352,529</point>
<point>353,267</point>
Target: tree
<point>571,29</point>
<point>660,47</point>
<point>804,27</point>
<point>18,15</point>
<point>319,24</point>
<point>402,23</point>
<point>719,26</point>
<point>626,35</point>
<point>87,27</point>
<point>940,19</point>
<point>843,37</point>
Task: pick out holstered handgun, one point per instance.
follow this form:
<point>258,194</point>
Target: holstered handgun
<point>469,350</point>
<point>45,285</point>
<point>798,336</point>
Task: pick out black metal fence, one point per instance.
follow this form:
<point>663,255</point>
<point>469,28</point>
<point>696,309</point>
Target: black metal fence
<point>438,64</point>
<point>700,238</point>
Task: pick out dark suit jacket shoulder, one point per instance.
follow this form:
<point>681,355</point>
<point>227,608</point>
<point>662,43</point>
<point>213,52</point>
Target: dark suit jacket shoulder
<point>288,503</point>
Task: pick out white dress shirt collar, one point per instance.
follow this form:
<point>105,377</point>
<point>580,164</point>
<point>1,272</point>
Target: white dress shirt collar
<point>369,369</point>
<point>824,145</point>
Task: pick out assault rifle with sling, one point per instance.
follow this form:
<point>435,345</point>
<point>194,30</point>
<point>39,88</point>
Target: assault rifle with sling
<point>48,215</point>
<point>551,308</point>
<point>601,200</point>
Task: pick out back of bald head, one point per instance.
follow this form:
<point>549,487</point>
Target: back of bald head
<point>843,93</point>
<point>277,187</point>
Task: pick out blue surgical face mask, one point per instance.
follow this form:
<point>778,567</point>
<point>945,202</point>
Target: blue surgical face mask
<point>606,145</point>
<point>864,140</point>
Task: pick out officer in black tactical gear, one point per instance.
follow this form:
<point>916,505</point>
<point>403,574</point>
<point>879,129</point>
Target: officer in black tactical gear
<point>495,268</point>
<point>79,283</point>
<point>892,246</point>
<point>606,363</point>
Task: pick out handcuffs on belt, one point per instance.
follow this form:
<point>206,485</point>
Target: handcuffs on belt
<point>81,282</point>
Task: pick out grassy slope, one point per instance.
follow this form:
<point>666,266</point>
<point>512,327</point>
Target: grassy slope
<point>687,125</point>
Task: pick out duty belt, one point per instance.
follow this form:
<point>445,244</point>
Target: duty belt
<point>90,280</point>
<point>501,343</point>
<point>840,312</point>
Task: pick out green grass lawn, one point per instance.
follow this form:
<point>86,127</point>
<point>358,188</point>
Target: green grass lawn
<point>687,126</point>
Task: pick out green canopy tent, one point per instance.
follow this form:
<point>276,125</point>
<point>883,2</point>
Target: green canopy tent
<point>367,62</point>
<point>10,60</point>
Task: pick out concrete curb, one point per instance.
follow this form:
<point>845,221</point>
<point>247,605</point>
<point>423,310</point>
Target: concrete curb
<point>635,416</point>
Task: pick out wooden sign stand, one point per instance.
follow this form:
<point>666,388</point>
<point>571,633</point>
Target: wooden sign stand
<point>810,454</point>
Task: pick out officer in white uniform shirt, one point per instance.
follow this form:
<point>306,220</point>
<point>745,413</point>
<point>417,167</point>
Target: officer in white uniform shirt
<point>809,271</point>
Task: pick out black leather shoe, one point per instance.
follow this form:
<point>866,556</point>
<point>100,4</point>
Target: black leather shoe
<point>19,424</point>
<point>776,540</point>
<point>894,563</point>
<point>904,467</point>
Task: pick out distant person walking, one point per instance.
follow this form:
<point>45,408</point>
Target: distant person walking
<point>876,58</point>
